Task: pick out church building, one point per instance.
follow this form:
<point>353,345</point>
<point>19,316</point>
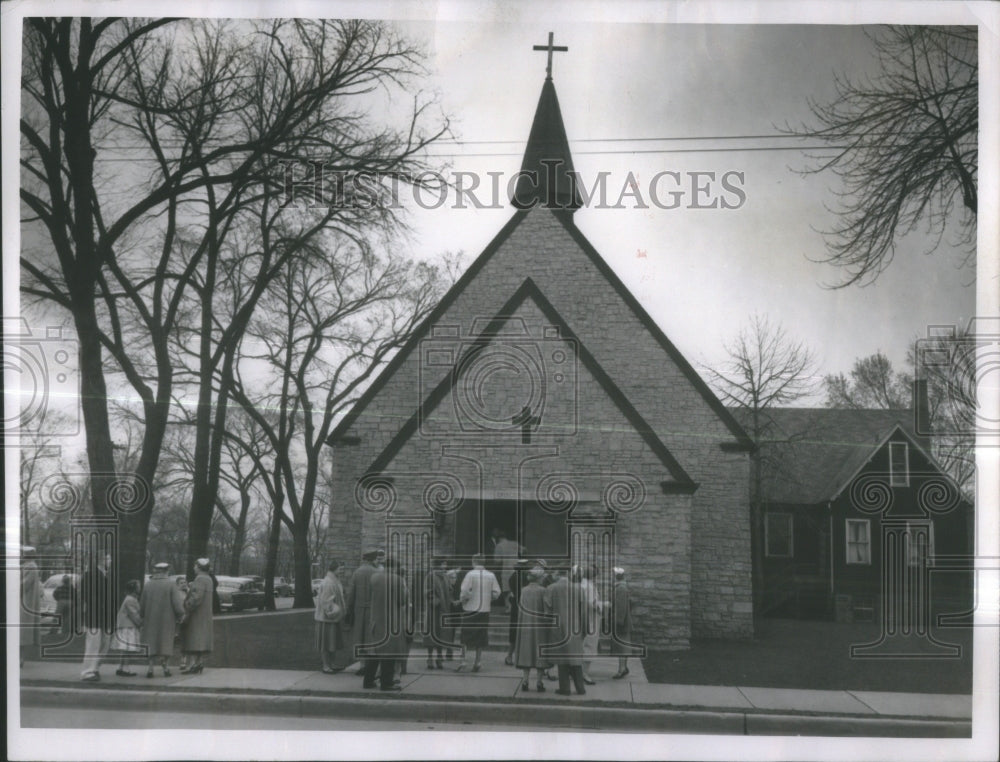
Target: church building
<point>540,399</point>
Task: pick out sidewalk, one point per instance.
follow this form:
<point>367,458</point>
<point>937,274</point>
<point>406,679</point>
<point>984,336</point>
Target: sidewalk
<point>629,704</point>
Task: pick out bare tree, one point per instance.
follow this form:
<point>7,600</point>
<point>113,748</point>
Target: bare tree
<point>873,383</point>
<point>766,368</point>
<point>905,146</point>
<point>950,377</point>
<point>144,145</point>
<point>326,327</point>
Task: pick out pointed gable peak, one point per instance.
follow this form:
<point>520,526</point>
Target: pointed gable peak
<point>546,177</point>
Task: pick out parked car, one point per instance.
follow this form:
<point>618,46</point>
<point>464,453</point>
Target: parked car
<point>239,593</point>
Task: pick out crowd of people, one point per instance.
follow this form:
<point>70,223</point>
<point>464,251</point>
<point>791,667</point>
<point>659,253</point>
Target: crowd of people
<point>146,626</point>
<point>555,618</point>
<point>149,622</point>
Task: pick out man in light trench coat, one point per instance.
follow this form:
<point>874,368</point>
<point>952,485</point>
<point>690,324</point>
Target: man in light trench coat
<point>161,605</point>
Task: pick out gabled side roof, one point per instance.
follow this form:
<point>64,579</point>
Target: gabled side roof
<point>853,467</point>
<point>811,454</point>
<point>565,218</point>
<point>680,481</point>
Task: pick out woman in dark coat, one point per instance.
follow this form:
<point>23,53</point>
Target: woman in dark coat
<point>532,633</point>
<point>622,631</point>
<point>514,585</point>
<point>439,594</point>
<point>196,636</point>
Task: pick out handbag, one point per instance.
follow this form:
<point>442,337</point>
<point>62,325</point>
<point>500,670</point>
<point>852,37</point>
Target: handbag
<point>334,612</point>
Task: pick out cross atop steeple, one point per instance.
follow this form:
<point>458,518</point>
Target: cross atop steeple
<point>551,49</point>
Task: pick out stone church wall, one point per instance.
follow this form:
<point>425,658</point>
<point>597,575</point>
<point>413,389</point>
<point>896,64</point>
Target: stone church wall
<point>688,555</point>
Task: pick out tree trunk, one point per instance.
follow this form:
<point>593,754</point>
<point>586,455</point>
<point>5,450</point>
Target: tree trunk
<point>303,566</point>
<point>239,540</point>
<point>271,562</point>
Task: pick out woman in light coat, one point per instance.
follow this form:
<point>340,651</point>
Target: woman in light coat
<point>329,616</point>
<point>592,607</point>
<point>622,634</point>
<point>196,636</point>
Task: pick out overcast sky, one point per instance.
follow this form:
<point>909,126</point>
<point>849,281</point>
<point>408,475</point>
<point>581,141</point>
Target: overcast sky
<point>705,270</point>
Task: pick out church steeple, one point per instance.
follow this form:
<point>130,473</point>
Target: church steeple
<point>546,177</point>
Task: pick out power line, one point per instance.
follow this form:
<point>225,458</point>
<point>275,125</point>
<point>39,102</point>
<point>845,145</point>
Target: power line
<point>718,149</point>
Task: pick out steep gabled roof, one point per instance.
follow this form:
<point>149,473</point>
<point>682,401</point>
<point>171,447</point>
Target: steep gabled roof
<point>680,481</point>
<point>423,330</point>
<point>810,453</point>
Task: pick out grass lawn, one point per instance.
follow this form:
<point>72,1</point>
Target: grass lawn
<point>804,654</point>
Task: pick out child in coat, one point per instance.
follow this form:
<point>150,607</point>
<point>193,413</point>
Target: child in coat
<point>127,626</point>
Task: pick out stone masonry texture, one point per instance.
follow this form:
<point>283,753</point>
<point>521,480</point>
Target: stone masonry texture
<point>688,555</point>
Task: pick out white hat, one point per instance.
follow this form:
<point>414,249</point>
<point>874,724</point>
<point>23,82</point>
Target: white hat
<point>161,565</point>
<point>619,571</point>
<point>202,562</point>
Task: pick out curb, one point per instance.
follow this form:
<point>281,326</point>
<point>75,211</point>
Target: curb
<point>551,717</point>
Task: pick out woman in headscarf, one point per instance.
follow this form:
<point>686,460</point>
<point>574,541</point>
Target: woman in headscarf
<point>532,632</point>
<point>329,615</point>
<point>196,638</point>
<point>622,608</point>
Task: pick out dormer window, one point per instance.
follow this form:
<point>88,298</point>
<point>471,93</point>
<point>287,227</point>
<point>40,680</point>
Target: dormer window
<point>899,464</point>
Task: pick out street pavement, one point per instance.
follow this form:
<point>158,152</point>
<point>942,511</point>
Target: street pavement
<point>494,696</point>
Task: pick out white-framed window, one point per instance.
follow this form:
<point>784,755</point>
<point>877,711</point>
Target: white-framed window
<point>778,535</point>
<point>899,464</point>
<point>920,542</point>
<point>859,541</point>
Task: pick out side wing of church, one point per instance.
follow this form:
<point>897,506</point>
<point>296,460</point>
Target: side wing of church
<point>539,398</point>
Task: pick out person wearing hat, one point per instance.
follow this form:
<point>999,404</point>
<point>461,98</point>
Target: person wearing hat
<point>532,630</point>
<point>161,605</point>
<point>100,609</point>
<point>622,632</point>
<point>196,633</point>
<point>31,605</point>
<point>358,600</point>
<point>388,603</point>
<point>564,601</point>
